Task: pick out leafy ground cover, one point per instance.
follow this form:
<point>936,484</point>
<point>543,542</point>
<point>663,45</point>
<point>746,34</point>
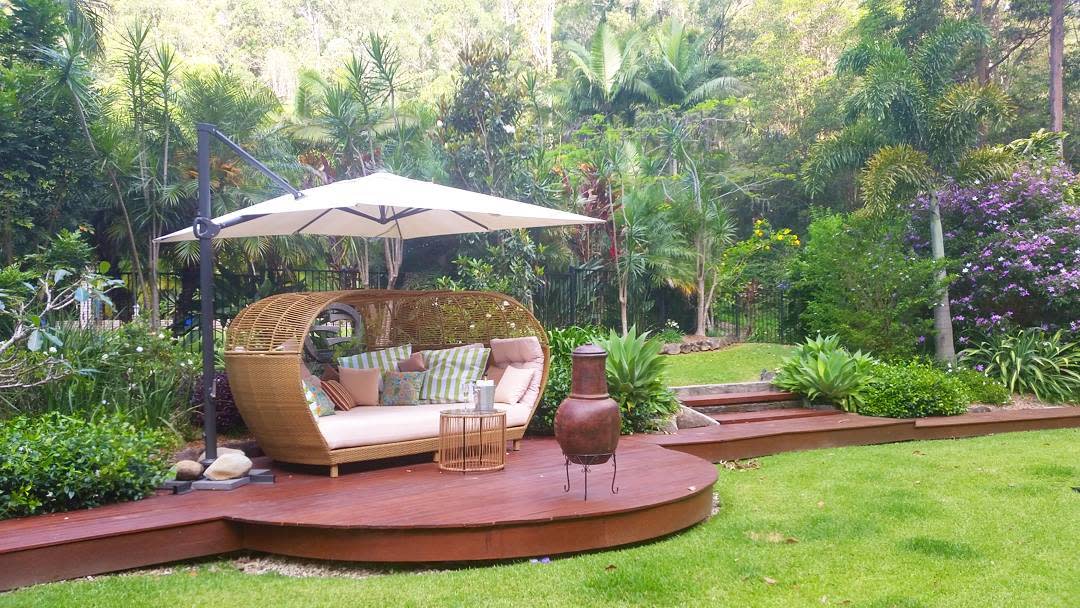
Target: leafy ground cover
<point>974,522</point>
<point>738,363</point>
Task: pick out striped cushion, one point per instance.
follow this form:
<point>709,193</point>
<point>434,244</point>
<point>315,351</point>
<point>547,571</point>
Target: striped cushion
<point>342,399</point>
<point>385,359</point>
<point>449,370</point>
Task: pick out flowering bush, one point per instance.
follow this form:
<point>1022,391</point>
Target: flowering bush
<point>1016,249</point>
<point>144,375</point>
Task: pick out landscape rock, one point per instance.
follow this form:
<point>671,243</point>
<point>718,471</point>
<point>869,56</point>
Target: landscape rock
<point>688,418</point>
<point>668,426</point>
<point>188,470</point>
<point>228,466</point>
<point>671,349</point>
<point>221,451</point>
<point>767,375</point>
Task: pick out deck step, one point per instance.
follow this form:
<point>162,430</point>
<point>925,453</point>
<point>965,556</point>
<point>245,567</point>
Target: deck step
<point>716,399</point>
<point>770,415</point>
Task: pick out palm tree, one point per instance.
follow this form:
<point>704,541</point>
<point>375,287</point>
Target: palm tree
<point>684,73</point>
<point>609,75</point>
<point>911,125</point>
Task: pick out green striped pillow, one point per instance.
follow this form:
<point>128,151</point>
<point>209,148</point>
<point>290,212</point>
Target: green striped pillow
<point>385,360</point>
<point>449,370</point>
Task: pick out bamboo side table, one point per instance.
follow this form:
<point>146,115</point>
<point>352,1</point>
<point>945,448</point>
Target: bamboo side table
<point>472,441</point>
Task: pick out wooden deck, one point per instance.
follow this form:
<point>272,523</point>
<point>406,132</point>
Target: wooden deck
<point>408,513</point>
<point>413,513</point>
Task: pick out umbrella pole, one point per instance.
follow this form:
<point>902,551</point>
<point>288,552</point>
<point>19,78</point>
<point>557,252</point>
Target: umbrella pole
<point>204,230</point>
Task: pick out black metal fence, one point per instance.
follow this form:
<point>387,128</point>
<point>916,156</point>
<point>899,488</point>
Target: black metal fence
<point>576,296</point>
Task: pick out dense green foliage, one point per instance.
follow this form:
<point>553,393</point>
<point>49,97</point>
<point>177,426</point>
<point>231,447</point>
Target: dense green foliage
<point>55,462</point>
<point>862,281</point>
<point>913,390</point>
<point>823,370</point>
<point>982,518</point>
<point>562,342</point>
<point>1030,361</point>
<point>980,387</point>
<point>635,376</point>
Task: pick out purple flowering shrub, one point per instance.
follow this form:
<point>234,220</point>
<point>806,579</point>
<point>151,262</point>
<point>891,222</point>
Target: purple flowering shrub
<point>1015,251</point>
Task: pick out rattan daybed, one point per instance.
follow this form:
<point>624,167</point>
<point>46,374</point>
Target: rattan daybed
<point>264,358</point>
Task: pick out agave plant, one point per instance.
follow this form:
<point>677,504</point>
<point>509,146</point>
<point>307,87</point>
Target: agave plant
<point>822,369</point>
<point>1030,361</point>
<point>635,370</point>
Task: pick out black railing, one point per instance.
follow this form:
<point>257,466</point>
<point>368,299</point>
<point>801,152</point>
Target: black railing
<point>576,296</point>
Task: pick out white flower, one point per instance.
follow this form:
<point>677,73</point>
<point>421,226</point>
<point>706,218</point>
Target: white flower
<point>138,349</point>
<point>104,356</point>
<point>104,402</point>
<point>161,335</point>
<point>439,123</point>
<point>52,350</point>
<point>509,129</point>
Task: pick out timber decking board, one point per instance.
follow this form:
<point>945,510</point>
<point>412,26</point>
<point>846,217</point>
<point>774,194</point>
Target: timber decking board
<point>769,415</point>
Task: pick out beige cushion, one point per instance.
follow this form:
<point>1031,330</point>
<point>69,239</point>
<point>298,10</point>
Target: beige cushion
<point>394,423</point>
<point>362,384</point>
<point>513,383</point>
<point>523,353</point>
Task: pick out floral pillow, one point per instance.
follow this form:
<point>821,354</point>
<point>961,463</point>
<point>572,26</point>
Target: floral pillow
<point>402,388</point>
<point>317,400</point>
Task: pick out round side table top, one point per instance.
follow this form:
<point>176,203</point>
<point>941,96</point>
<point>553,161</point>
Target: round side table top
<point>464,412</point>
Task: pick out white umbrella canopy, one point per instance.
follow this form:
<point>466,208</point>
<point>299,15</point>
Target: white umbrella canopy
<point>383,205</point>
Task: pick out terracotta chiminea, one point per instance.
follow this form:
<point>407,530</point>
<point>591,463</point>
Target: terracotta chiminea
<point>588,422</point>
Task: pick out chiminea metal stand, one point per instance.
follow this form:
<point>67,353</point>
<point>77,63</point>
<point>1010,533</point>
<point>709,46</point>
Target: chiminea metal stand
<point>587,461</point>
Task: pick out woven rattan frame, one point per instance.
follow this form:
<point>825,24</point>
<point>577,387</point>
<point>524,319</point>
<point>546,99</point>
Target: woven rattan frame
<point>264,358</point>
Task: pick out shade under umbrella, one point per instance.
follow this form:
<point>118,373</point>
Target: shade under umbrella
<point>383,205</point>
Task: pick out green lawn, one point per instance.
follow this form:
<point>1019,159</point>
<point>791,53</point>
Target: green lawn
<point>991,521</point>
<point>738,363</point>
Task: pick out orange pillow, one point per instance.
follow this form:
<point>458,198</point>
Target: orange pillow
<point>342,398</point>
<point>513,384</point>
<point>362,384</point>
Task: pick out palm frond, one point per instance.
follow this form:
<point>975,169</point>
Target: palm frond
<point>892,173</point>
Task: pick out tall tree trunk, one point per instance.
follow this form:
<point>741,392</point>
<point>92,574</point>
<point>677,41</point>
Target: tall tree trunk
<point>982,58</point>
<point>1057,58</point>
<point>943,330</point>
<point>394,252</point>
<point>702,307</point>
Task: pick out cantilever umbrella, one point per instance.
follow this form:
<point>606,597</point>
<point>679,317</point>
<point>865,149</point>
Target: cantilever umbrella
<point>383,205</point>
<point>379,205</point>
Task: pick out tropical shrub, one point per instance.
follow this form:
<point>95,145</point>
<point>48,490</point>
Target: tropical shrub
<point>635,372</point>
<point>822,370</point>
<point>862,281</point>
<point>55,462</point>
<point>980,387</point>
<point>1016,246</point>
<point>1030,361</point>
<point>144,375</point>
<point>913,390</point>
<point>562,342</point>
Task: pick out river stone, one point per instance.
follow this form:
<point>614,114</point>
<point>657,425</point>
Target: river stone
<point>222,450</point>
<point>228,466</point>
<point>688,418</point>
<point>188,470</point>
